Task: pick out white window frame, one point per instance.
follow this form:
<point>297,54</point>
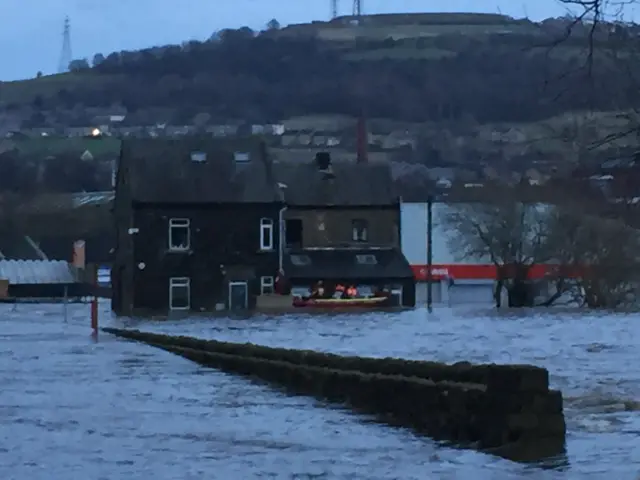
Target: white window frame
<point>179,223</point>
<point>179,282</point>
<point>266,234</point>
<point>267,283</point>
<point>360,234</point>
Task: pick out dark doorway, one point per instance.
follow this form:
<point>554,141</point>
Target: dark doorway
<point>293,234</point>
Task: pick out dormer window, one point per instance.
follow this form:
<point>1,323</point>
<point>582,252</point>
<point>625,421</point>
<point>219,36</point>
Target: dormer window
<point>367,259</point>
<point>198,157</point>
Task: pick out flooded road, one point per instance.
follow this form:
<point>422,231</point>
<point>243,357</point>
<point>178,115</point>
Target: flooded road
<point>71,408</point>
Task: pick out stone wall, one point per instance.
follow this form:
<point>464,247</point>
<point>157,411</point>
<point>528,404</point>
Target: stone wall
<point>507,410</point>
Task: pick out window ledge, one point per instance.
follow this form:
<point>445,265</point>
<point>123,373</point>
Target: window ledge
<point>267,250</point>
<point>180,250</point>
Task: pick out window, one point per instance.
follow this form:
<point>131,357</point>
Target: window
<point>301,260</point>
<point>266,234</point>
<point>359,230</point>
<point>198,157</point>
<point>266,285</point>
<point>179,234</point>
<point>179,293</point>
<point>241,157</point>
<point>293,233</point>
<point>367,259</point>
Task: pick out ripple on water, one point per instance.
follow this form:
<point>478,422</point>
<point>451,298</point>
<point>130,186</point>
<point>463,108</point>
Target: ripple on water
<point>71,408</point>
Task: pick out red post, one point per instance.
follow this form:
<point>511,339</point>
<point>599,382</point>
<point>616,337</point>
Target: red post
<point>94,315</point>
<point>94,305</point>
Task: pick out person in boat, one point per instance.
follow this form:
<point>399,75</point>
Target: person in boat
<point>341,291</point>
<point>380,292</point>
<point>352,292</point>
<point>318,290</point>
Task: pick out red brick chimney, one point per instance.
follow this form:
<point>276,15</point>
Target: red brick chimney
<point>362,140</point>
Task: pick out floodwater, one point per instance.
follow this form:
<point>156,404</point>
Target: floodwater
<point>72,408</point>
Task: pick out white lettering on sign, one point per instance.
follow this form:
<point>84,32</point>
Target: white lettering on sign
<point>439,272</point>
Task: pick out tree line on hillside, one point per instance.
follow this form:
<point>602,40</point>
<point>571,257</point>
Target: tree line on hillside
<point>591,249</point>
<point>264,77</point>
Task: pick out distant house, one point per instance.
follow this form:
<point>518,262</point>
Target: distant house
<point>304,138</point>
<point>177,130</point>
<point>399,138</point>
<point>130,131</point>
<point>196,225</point>
<point>222,130</point>
<point>288,139</point>
<point>324,139</point>
<point>275,129</point>
<point>79,131</point>
<point>42,132</point>
<point>342,226</point>
<point>108,119</point>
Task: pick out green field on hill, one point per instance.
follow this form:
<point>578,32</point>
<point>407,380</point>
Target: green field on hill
<point>49,85</point>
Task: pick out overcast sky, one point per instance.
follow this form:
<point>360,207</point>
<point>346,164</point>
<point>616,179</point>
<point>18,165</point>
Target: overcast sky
<point>31,30</point>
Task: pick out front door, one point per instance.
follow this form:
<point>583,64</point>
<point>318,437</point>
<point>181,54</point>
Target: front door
<point>238,296</point>
<point>396,295</point>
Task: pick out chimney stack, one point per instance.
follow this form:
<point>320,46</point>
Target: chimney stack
<point>79,254</point>
<point>362,140</point>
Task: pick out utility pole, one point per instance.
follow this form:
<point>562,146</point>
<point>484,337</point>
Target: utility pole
<point>334,8</point>
<point>430,253</point>
<point>357,8</point>
<point>65,54</point>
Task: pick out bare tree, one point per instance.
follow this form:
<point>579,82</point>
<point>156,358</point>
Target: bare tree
<point>591,260</point>
<point>611,48</point>
<point>505,230</point>
<point>596,258</point>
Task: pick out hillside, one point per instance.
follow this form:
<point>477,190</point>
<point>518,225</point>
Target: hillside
<point>488,68</point>
<point>470,89</point>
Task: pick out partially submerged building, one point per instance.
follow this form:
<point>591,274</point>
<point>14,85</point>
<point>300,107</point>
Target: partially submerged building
<point>342,226</point>
<point>197,225</point>
<point>206,224</point>
<point>45,280</point>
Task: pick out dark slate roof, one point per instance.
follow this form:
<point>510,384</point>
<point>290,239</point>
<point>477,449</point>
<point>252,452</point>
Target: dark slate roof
<point>342,264</point>
<point>53,203</point>
<point>350,184</point>
<point>162,170</point>
<point>58,247</point>
<point>17,247</point>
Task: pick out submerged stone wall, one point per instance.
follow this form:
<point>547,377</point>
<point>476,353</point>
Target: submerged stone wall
<point>507,410</point>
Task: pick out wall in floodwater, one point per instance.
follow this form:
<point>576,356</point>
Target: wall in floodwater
<point>505,409</point>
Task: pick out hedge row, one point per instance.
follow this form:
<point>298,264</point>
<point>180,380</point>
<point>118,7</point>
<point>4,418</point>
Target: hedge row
<point>498,378</point>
